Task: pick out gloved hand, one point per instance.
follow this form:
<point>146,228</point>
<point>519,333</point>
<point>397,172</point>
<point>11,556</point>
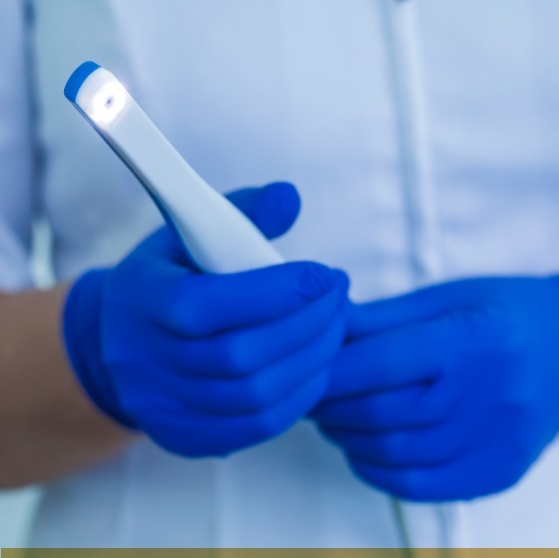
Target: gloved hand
<point>207,364</point>
<point>451,392</point>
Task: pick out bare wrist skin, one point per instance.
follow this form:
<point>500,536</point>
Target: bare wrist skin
<point>48,426</point>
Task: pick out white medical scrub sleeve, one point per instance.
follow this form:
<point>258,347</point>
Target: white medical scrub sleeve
<point>16,151</point>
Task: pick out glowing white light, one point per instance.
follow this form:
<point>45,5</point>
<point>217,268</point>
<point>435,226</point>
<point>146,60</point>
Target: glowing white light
<point>108,102</point>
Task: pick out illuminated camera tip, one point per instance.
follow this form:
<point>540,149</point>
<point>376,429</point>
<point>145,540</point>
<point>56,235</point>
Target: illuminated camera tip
<point>108,102</point>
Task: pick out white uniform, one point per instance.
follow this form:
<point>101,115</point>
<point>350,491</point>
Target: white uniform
<point>424,138</point>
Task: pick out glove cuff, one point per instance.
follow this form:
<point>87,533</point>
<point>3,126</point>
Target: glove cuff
<point>81,325</point>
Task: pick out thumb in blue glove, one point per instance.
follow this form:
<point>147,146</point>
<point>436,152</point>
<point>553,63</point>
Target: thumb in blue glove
<point>207,364</point>
<point>451,392</point>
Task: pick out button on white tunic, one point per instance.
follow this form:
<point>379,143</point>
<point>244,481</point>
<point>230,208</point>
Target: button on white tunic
<point>424,138</point>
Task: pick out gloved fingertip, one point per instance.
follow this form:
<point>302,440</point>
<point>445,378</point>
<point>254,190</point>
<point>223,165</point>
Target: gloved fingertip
<point>284,195</point>
<point>280,205</point>
<point>316,280</point>
<point>341,279</point>
<point>272,208</point>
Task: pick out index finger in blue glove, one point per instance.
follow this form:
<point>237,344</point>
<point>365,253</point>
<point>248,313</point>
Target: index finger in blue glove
<point>245,350</point>
<point>197,305</point>
<point>396,359</point>
<point>418,446</point>
<point>409,309</point>
<point>195,434</point>
<point>413,406</point>
<point>427,351</point>
<point>463,478</point>
<point>218,303</point>
<point>263,389</point>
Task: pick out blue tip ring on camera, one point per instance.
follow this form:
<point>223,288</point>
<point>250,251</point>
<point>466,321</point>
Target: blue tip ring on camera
<point>80,74</point>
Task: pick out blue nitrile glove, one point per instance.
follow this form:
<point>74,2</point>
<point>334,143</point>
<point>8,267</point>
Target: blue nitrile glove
<point>451,392</point>
<point>207,364</point>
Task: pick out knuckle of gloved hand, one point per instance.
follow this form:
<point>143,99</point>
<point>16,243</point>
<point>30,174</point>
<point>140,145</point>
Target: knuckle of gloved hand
<point>392,448</point>
<point>257,394</point>
<point>410,485</point>
<point>237,355</point>
<point>267,425</point>
<point>186,309</point>
<point>121,356</point>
